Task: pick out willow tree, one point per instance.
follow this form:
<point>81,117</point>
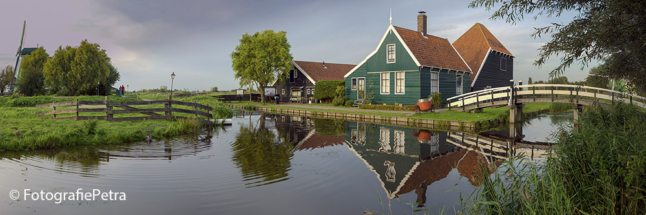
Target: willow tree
<point>31,81</point>
<point>6,78</point>
<point>261,58</point>
<point>77,68</point>
<point>610,31</point>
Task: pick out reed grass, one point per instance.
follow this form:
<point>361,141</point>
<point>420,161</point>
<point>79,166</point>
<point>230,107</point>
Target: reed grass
<point>597,168</point>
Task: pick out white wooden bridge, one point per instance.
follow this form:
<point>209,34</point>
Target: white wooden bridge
<point>515,97</point>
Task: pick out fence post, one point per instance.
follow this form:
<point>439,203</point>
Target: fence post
<point>108,109</point>
<point>208,112</point>
<point>552,93</point>
<point>492,98</point>
<point>77,109</point>
<point>613,98</point>
<point>534,93</point>
<point>54,106</point>
<point>477,99</point>
<point>195,108</point>
<point>463,104</point>
<point>631,99</point>
<point>577,94</point>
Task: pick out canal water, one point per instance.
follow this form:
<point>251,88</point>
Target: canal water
<point>267,164</point>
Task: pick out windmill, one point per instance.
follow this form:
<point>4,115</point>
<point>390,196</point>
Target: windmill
<point>18,55</point>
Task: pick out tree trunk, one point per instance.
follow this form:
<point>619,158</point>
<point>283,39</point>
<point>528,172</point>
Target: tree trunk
<point>73,92</point>
<point>262,93</point>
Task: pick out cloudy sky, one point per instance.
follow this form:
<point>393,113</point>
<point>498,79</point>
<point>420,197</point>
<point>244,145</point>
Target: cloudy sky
<point>149,39</point>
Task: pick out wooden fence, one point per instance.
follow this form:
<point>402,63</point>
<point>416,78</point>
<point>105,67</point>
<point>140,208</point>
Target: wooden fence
<point>127,108</point>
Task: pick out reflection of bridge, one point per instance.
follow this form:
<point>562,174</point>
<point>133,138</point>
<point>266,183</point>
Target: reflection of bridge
<point>516,96</point>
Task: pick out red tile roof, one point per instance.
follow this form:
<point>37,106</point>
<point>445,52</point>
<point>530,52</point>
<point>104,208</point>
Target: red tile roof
<point>320,141</point>
<point>320,71</point>
<point>474,44</point>
<point>431,50</point>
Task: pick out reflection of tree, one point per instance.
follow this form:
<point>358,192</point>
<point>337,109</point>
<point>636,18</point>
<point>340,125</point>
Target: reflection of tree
<point>331,127</point>
<point>257,152</point>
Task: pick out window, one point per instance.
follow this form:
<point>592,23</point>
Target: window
<point>399,84</point>
<point>283,92</point>
<point>295,73</point>
<point>361,87</point>
<point>384,139</point>
<point>458,85</point>
<point>399,142</point>
<point>312,91</point>
<point>390,48</point>
<point>435,82</point>
<point>385,83</point>
<point>503,64</point>
<point>308,91</point>
<point>354,83</point>
<point>291,76</point>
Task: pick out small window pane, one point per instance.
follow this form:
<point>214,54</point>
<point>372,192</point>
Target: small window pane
<point>385,82</point>
<point>400,82</point>
<point>354,83</point>
<point>391,53</point>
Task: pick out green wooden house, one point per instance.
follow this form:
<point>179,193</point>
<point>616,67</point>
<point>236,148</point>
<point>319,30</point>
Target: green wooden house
<point>407,66</point>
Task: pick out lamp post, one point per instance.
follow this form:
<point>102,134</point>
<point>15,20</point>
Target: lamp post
<point>172,78</point>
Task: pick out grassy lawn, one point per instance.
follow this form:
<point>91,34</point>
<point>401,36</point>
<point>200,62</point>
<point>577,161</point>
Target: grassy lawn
<point>40,132</point>
<point>488,113</point>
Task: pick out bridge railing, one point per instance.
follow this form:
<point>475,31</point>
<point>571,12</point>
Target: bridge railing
<point>547,93</point>
<point>486,95</point>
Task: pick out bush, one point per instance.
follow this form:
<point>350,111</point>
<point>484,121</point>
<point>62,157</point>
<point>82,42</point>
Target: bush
<point>385,107</point>
<point>63,92</point>
<point>327,89</point>
<point>436,99</point>
<point>339,101</point>
<point>349,103</point>
<point>558,107</point>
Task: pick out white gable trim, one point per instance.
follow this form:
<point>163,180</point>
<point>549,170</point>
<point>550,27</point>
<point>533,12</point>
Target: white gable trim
<point>463,61</point>
<point>299,68</point>
<point>305,73</point>
<point>405,46</point>
<point>390,28</point>
<point>481,65</point>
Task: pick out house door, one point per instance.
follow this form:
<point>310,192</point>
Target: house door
<point>458,85</point>
<point>361,88</point>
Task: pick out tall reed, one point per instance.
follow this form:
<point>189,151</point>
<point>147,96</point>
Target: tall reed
<point>597,168</point>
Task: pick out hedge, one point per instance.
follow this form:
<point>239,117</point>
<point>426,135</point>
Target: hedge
<point>387,107</point>
<point>326,89</point>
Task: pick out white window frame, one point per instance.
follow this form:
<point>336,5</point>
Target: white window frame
<point>397,87</point>
<point>459,90</point>
<point>312,90</point>
<point>381,83</point>
<point>438,82</point>
<point>399,145</point>
<point>503,59</point>
<point>364,86</point>
<point>295,75</point>
<point>394,53</point>
<point>353,84</point>
<point>283,92</point>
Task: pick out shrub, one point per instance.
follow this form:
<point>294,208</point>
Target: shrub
<point>338,101</point>
<point>349,103</point>
<point>327,89</point>
<point>385,107</point>
<point>558,107</point>
<point>436,99</point>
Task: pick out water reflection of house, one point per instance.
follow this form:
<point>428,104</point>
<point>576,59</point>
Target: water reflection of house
<point>406,159</point>
<point>301,133</point>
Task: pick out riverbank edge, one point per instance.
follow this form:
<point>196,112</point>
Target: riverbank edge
<point>436,124</point>
<point>89,135</point>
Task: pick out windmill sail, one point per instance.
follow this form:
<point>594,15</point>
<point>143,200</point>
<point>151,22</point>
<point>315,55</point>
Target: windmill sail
<point>19,54</point>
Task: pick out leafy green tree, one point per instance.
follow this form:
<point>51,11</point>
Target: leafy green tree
<point>261,58</point>
<point>214,89</point>
<point>6,78</point>
<point>612,31</point>
<point>257,151</point>
<point>529,81</point>
<point>31,81</point>
<point>77,68</point>
<point>106,85</point>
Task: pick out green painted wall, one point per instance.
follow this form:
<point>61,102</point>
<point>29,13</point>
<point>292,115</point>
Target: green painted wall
<point>378,63</point>
<point>417,82</point>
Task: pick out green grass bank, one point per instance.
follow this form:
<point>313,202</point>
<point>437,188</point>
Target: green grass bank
<point>21,129</point>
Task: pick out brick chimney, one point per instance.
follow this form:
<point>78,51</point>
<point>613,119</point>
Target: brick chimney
<point>421,22</point>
